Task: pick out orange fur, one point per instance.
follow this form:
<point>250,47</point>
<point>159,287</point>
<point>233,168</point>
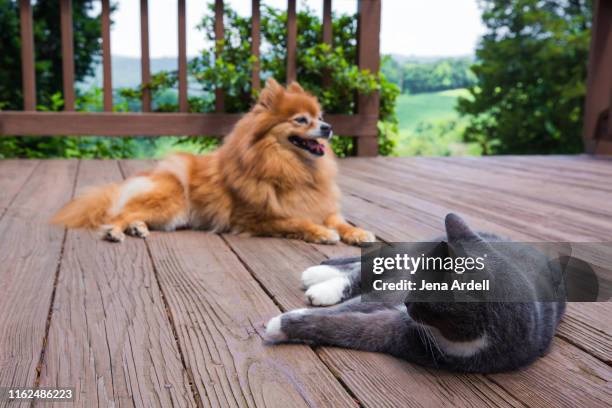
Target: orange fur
<point>258,182</point>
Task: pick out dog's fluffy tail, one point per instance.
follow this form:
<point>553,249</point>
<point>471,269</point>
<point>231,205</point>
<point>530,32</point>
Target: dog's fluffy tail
<point>89,210</point>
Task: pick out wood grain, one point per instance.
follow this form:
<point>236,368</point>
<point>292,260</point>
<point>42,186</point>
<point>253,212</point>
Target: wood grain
<point>29,256</point>
<point>110,337</point>
<point>13,175</point>
<point>375,379</point>
<point>219,310</point>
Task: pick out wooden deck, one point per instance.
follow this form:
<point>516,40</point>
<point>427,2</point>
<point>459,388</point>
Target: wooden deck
<point>176,320</point>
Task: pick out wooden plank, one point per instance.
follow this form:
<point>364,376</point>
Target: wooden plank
<point>486,204</point>
<point>67,53</point>
<point>28,74</point>
<point>145,56</point>
<point>255,45</point>
<point>145,124</point>
<point>29,256</point>
<point>110,336</point>
<point>13,175</point>
<point>219,38</point>
<point>587,326</point>
<point>106,57</point>
<point>368,43</point>
<point>565,377</point>
<point>375,379</point>
<point>406,216</point>
<point>291,42</point>
<point>182,57</point>
<point>219,311</point>
<point>599,80</point>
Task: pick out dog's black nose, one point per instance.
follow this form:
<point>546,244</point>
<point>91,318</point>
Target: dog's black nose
<point>326,129</point>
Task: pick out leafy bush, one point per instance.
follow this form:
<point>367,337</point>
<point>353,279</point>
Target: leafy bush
<point>531,68</point>
<point>231,71</point>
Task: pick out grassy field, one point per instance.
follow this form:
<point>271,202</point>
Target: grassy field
<point>430,126</point>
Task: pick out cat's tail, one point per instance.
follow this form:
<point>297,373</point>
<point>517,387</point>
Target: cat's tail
<point>90,209</point>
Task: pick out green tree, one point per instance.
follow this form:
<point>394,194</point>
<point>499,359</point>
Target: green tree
<point>47,45</point>
<point>232,70</point>
<point>48,49</point>
<point>531,68</point>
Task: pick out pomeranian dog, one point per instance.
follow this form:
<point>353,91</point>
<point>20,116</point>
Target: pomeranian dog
<point>274,175</point>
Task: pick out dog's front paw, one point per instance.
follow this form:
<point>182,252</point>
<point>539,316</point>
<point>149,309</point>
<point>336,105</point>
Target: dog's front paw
<point>138,229</point>
<point>328,292</point>
<point>112,233</point>
<point>322,235</point>
<point>357,236</point>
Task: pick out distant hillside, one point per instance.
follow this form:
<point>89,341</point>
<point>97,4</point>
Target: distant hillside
<point>126,71</point>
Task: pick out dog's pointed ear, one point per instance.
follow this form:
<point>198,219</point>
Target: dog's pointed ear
<point>295,87</point>
<point>270,93</point>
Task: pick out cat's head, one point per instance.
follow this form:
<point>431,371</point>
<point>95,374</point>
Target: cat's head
<point>459,321</point>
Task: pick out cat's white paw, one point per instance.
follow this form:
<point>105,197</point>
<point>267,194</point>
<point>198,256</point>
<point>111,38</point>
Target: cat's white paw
<point>274,330</point>
<point>328,292</point>
<point>317,274</point>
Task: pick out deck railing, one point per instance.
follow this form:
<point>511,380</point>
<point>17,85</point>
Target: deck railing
<point>598,106</point>
<point>362,124</point>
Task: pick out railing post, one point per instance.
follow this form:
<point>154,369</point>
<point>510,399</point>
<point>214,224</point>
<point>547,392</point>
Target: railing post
<point>145,58</point>
<point>255,42</point>
<point>291,41</point>
<point>27,56</point>
<point>67,53</point>
<point>327,35</point>
<point>597,131</point>
<point>219,36</point>
<point>182,57</point>
<point>106,57</point>
<point>369,58</point>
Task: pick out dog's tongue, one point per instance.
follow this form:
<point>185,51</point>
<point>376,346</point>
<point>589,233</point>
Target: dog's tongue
<point>315,146</point>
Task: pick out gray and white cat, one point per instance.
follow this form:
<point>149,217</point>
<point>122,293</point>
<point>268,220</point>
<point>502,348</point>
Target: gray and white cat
<point>480,337</point>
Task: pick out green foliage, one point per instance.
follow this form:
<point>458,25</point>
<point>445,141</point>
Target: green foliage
<point>69,146</point>
<point>417,76</point>
<point>429,125</point>
<point>47,44</point>
<point>231,71</point>
<point>531,71</point>
<point>48,68</point>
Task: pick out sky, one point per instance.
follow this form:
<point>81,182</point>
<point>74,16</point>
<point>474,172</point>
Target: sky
<point>409,27</point>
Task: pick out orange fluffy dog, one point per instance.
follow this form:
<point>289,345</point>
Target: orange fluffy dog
<point>274,175</point>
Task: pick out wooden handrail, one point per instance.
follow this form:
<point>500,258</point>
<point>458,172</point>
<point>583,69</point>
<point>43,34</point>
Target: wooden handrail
<point>362,125</point>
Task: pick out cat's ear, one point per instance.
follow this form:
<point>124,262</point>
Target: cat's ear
<point>457,230</point>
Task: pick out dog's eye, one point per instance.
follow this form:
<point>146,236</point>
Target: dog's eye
<point>302,120</point>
